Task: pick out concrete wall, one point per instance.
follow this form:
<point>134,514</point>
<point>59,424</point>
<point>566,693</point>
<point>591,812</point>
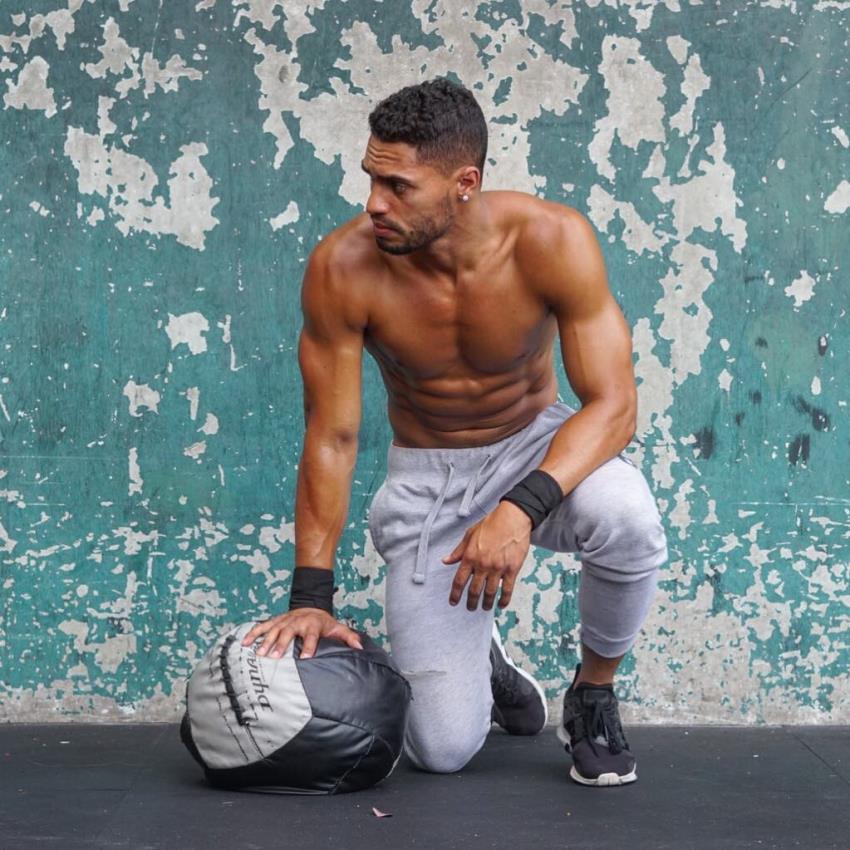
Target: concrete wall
<point>167,168</point>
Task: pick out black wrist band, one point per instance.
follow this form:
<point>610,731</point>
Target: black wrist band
<point>538,494</point>
<point>312,587</point>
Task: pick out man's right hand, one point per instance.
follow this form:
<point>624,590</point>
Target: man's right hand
<point>307,623</point>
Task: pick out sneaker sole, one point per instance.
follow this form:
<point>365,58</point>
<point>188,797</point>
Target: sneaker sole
<point>604,779</point>
<point>497,637</point>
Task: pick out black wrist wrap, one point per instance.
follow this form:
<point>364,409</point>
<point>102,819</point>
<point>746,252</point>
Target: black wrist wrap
<point>538,494</point>
<point>312,587</point>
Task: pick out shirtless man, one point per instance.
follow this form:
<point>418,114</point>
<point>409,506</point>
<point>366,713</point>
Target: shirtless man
<point>458,294</point>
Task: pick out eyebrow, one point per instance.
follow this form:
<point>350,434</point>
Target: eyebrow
<point>391,177</point>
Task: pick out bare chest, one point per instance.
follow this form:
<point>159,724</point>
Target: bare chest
<point>486,326</point>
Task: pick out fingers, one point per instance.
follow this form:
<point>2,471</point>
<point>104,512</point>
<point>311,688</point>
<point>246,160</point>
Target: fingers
<point>478,582</point>
<point>280,631</point>
<point>507,590</point>
<point>259,629</point>
<point>490,591</point>
<point>455,555</point>
<point>277,641</point>
<point>484,582</point>
<point>346,634</point>
<point>450,558</point>
<point>310,641</point>
<point>277,636</point>
<point>340,632</point>
<point>271,634</point>
<point>459,583</point>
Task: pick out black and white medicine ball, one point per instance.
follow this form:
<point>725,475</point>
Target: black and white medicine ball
<point>322,725</point>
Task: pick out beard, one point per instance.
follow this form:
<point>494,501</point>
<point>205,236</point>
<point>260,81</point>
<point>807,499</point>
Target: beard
<point>424,231</point>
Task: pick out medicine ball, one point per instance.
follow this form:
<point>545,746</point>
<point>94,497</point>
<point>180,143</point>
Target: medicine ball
<point>327,724</point>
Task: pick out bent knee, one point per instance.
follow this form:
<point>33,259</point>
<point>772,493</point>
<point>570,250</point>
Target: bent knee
<point>443,756</point>
<point>632,544</point>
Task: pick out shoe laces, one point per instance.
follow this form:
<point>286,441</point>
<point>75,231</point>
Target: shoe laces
<point>602,725</point>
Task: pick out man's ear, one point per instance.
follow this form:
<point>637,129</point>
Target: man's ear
<point>468,180</point>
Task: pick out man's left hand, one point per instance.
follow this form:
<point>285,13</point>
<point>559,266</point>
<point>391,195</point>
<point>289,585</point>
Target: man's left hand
<point>492,552</point>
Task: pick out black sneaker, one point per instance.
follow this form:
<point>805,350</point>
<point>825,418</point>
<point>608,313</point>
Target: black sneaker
<point>519,704</point>
<point>591,732</point>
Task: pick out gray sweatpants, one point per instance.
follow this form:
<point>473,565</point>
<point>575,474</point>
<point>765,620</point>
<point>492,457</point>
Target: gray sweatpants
<point>420,513</point>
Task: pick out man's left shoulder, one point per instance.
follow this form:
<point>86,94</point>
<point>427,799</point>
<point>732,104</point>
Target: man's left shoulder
<point>547,230</point>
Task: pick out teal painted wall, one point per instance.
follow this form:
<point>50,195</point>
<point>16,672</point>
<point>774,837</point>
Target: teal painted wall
<point>167,168</point>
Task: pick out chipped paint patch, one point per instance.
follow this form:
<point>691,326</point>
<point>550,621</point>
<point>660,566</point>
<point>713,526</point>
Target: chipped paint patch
<point>838,201</point>
<point>188,329</point>
<point>30,90</point>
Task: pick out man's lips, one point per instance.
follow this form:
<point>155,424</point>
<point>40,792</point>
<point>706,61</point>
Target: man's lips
<point>380,228</point>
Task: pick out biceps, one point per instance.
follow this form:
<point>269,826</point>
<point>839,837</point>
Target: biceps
<point>331,373</point>
<point>597,352</point>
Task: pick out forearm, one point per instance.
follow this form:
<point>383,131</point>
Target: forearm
<point>594,434</point>
<point>322,497</point>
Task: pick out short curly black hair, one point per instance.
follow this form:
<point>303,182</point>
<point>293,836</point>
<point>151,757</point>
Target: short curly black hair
<point>441,119</point>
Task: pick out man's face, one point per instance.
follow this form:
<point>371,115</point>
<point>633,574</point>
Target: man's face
<point>410,198</point>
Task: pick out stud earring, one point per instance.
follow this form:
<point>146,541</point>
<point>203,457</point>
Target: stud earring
<point>465,198</point>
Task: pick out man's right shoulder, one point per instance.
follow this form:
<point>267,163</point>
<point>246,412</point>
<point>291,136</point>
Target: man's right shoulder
<point>340,267</point>
<point>348,249</point>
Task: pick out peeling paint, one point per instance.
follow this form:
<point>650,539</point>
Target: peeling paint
<point>169,168</point>
<point>31,91</point>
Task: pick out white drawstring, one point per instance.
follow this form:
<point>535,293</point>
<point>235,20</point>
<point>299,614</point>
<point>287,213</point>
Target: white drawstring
<point>466,505</point>
<point>420,570</point>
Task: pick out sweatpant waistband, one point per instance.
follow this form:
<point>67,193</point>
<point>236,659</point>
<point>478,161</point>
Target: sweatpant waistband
<point>403,459</point>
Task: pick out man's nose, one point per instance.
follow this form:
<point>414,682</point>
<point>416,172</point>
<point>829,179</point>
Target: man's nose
<point>377,203</point>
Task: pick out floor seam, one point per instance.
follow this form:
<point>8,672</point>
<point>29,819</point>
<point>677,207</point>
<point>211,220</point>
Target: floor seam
<point>820,758</point>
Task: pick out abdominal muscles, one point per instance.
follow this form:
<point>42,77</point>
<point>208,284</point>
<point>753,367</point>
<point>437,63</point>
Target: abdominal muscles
<point>465,389</point>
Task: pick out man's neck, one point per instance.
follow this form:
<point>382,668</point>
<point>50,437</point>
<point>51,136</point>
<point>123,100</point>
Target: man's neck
<point>461,249</point>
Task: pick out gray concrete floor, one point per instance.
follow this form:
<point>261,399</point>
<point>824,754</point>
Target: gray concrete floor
<point>706,788</point>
